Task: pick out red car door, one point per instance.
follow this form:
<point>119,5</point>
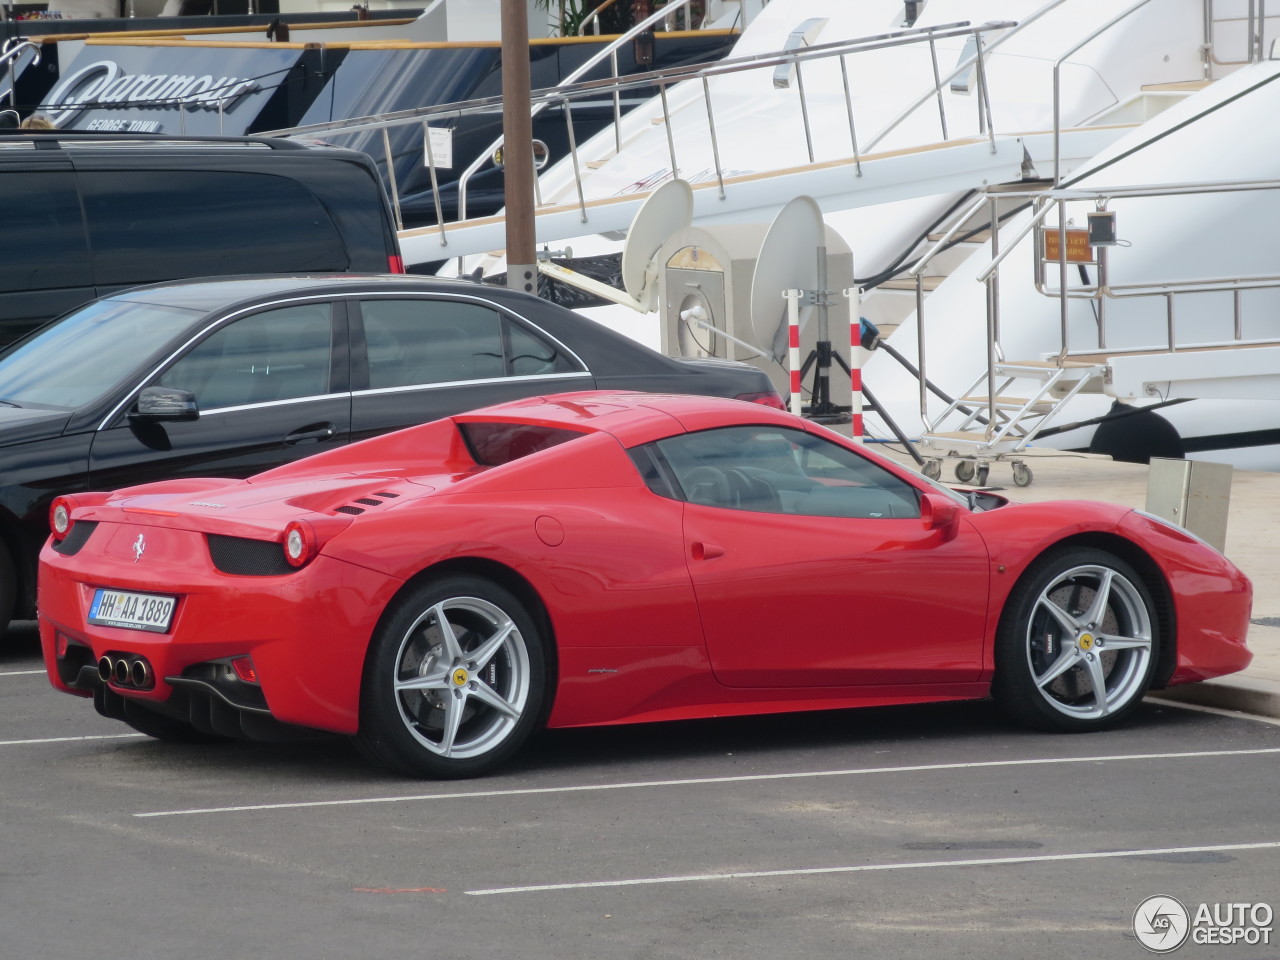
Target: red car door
<point>812,567</point>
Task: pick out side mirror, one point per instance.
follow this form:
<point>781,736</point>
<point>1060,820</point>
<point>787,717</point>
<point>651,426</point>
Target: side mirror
<point>165,403</point>
<point>938,511</point>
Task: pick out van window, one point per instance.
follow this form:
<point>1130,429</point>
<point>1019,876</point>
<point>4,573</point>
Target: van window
<point>45,247</point>
<point>154,225</point>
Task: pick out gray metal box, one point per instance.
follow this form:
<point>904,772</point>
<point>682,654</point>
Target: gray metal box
<point>1194,494</point>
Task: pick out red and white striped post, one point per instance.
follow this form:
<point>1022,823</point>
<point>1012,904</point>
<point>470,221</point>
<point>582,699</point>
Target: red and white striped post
<point>857,358</point>
<point>793,348</point>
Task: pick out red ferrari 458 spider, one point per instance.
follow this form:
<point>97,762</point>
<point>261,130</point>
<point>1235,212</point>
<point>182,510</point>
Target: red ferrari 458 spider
<point>442,592</point>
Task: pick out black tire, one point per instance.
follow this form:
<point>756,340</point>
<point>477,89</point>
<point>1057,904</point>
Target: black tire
<point>965,470</point>
<point>428,711</point>
<point>1079,619</point>
<point>8,589</point>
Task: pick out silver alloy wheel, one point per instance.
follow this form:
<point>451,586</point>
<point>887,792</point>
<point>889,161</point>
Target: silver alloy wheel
<point>1089,642</point>
<point>462,677</point>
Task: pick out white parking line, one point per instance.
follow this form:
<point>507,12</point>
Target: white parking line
<point>704,781</point>
<point>22,673</point>
<point>874,867</point>
<point>99,736</point>
<point>1216,711</point>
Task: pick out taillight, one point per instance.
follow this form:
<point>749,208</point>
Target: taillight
<point>767,399</point>
<point>395,264</point>
<point>299,543</point>
<point>60,521</point>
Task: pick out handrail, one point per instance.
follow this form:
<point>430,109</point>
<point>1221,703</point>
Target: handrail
<point>1104,289</point>
<point>10,53</point>
<point>1013,30</point>
<point>537,108</point>
<point>663,77</point>
<point>566,92</point>
<point>1255,31</point>
<point>1057,84</point>
<point>594,18</point>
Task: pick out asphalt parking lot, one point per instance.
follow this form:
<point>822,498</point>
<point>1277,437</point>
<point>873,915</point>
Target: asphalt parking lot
<point>936,831</point>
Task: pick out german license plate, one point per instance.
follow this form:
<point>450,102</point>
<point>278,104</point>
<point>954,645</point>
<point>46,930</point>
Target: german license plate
<point>133,611</point>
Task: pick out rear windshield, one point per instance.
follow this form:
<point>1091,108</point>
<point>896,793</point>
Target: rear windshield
<point>84,355</point>
<point>493,444</point>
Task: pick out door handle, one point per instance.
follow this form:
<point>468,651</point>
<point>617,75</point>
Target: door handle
<point>706,551</point>
<point>312,435</point>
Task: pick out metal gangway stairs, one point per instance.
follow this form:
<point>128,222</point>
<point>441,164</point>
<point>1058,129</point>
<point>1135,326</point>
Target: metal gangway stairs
<point>1012,401</point>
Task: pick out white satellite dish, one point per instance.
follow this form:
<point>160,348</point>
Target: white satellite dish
<point>788,260</point>
<point>668,209</point>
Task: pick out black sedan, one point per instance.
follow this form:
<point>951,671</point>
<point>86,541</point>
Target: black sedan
<point>228,377</point>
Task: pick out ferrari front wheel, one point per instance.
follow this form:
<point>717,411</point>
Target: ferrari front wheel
<point>455,680</point>
<point>1077,643</point>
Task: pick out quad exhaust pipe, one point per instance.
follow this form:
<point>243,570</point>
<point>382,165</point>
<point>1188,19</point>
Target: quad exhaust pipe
<point>125,670</point>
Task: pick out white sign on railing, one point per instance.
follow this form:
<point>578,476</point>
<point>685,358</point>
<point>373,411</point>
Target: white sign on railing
<point>438,147</point>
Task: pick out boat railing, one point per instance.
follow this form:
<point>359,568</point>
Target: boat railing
<point>1055,210</point>
<point>1254,20</point>
<point>13,48</point>
<point>793,60</point>
<point>1044,203</point>
<point>1057,78</point>
<point>610,52</point>
<point>592,20</point>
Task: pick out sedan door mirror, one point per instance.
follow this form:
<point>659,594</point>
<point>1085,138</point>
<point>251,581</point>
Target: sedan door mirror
<point>165,403</point>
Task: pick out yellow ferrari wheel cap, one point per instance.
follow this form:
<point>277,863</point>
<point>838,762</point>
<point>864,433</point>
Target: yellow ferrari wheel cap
<point>1086,642</point>
<point>460,677</point>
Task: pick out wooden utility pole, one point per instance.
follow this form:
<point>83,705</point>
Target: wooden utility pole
<point>517,149</point>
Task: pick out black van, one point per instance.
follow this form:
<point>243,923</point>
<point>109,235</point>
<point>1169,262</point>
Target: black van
<point>86,214</point>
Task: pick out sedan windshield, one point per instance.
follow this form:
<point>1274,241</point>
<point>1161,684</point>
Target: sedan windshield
<point>82,356</point>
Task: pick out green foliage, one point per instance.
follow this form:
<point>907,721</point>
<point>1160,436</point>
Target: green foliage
<point>571,13</point>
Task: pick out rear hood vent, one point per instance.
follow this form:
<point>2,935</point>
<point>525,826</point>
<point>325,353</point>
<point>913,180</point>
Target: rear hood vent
<point>361,504</point>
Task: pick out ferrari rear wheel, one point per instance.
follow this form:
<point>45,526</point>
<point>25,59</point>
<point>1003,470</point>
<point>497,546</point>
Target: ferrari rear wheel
<point>1077,643</point>
<point>455,681</point>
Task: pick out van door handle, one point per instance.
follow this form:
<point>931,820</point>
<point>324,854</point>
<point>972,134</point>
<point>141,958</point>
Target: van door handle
<point>706,551</point>
<point>314,434</point>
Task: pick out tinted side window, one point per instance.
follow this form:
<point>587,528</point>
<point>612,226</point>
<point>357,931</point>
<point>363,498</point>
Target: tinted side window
<point>162,225</point>
<point>281,354</point>
<point>46,242</point>
<point>531,355</point>
<point>431,341</point>
<point>776,470</point>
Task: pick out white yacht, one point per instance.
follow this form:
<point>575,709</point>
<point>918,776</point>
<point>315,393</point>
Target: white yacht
<point>911,125</point>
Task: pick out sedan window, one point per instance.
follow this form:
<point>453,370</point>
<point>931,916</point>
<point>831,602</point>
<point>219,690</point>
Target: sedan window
<point>430,341</point>
<point>777,470</point>
<point>426,341</point>
<point>280,354</point>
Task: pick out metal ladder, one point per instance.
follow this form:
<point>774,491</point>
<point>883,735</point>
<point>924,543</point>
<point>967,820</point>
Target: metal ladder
<point>998,426</point>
